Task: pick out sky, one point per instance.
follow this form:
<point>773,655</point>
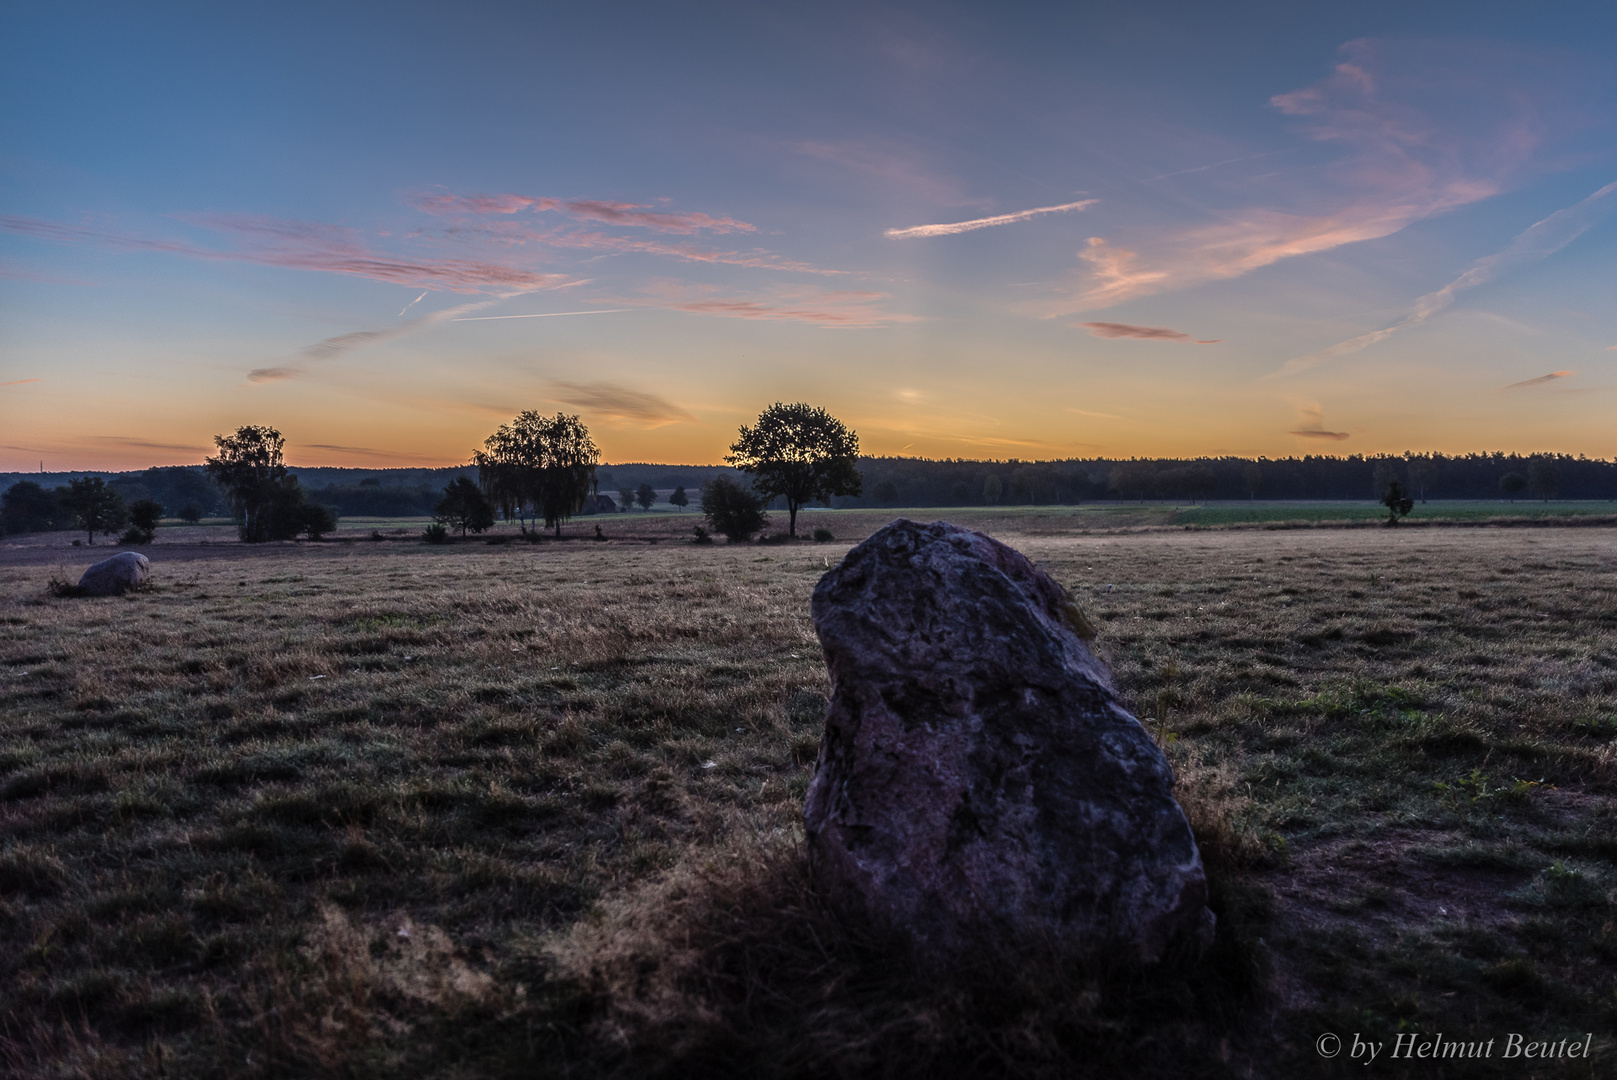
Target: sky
<point>1008,230</point>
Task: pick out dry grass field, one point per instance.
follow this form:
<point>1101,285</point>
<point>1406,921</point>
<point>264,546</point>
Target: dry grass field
<point>387,809</point>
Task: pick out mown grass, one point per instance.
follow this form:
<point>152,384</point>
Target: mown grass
<point>525,810</point>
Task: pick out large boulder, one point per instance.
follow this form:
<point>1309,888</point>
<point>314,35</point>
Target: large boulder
<point>117,575</point>
<point>978,782</point>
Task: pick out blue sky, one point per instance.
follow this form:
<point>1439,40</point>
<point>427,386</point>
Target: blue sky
<point>968,230</point>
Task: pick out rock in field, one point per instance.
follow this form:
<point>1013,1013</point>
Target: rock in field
<point>117,575</point>
<point>978,782</point>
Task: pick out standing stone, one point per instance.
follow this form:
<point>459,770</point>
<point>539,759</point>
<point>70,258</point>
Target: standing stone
<point>978,781</point>
<point>117,575</point>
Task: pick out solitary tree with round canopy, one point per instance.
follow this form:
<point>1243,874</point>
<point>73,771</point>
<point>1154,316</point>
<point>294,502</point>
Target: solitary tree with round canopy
<point>95,506</point>
<point>250,469</point>
<point>800,452</point>
<point>545,465</point>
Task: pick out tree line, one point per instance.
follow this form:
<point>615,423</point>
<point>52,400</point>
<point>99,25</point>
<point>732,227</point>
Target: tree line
<point>534,469</point>
<point>894,481</point>
<point>193,492</point>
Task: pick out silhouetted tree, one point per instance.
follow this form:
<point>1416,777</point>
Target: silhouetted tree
<point>1512,484</point>
<point>1382,475</point>
<point>1137,477</point>
<point>93,506</point>
<point>1397,503</point>
<point>1170,482</point>
<point>250,470</point>
<point>626,498</point>
<point>645,495</point>
<point>191,513</point>
<point>993,489</point>
<point>885,492</point>
<point>1200,482</point>
<point>679,498</point>
<point>144,514</point>
<point>1543,478</point>
<point>539,463</point>
<point>799,452</point>
<point>1253,475</point>
<point>733,510</point>
<point>27,507</point>
<point>313,520</point>
<point>1420,469</point>
<point>464,507</point>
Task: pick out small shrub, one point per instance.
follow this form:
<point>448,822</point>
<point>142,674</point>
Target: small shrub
<point>58,587</point>
<point>822,534</point>
<point>735,511</point>
<point>376,534</point>
<point>498,540</point>
<point>701,536</point>
<point>144,514</point>
<point>436,534</point>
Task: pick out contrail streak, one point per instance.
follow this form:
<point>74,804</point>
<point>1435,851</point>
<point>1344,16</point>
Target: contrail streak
<point>1538,241</point>
<point>414,302</point>
<point>988,222</point>
<point>1540,381</point>
<point>542,315</point>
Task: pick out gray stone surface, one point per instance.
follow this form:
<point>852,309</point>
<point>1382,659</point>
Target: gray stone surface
<point>978,781</point>
<point>117,575</point>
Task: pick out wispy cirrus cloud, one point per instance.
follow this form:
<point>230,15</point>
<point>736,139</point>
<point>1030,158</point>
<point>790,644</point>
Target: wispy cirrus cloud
<point>369,452</point>
<point>638,215</point>
<point>496,227</point>
<point>131,442</point>
<point>898,170</point>
<point>1539,241</point>
<point>845,309</point>
<point>19,382</point>
<point>953,228</point>
<point>1311,425</point>
<point>609,401</point>
<point>1144,333</point>
<point>333,347</point>
<point>305,246</point>
<point>1404,156</point>
<point>1540,381</point>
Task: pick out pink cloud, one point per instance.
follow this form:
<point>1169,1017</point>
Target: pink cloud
<point>303,246</point>
<point>1405,152</point>
<point>636,215</point>
<point>18,382</point>
<point>1145,333</point>
<point>512,233</point>
<point>615,213</point>
<point>481,204</point>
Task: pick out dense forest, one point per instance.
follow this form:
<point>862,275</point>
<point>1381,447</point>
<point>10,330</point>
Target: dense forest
<point>922,482</point>
<point>186,491</point>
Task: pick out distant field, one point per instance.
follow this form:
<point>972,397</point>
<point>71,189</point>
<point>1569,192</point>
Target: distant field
<point>386,809</point>
<point>1447,510</point>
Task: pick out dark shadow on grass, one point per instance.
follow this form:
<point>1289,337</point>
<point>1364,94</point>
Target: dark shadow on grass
<point>741,969</point>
